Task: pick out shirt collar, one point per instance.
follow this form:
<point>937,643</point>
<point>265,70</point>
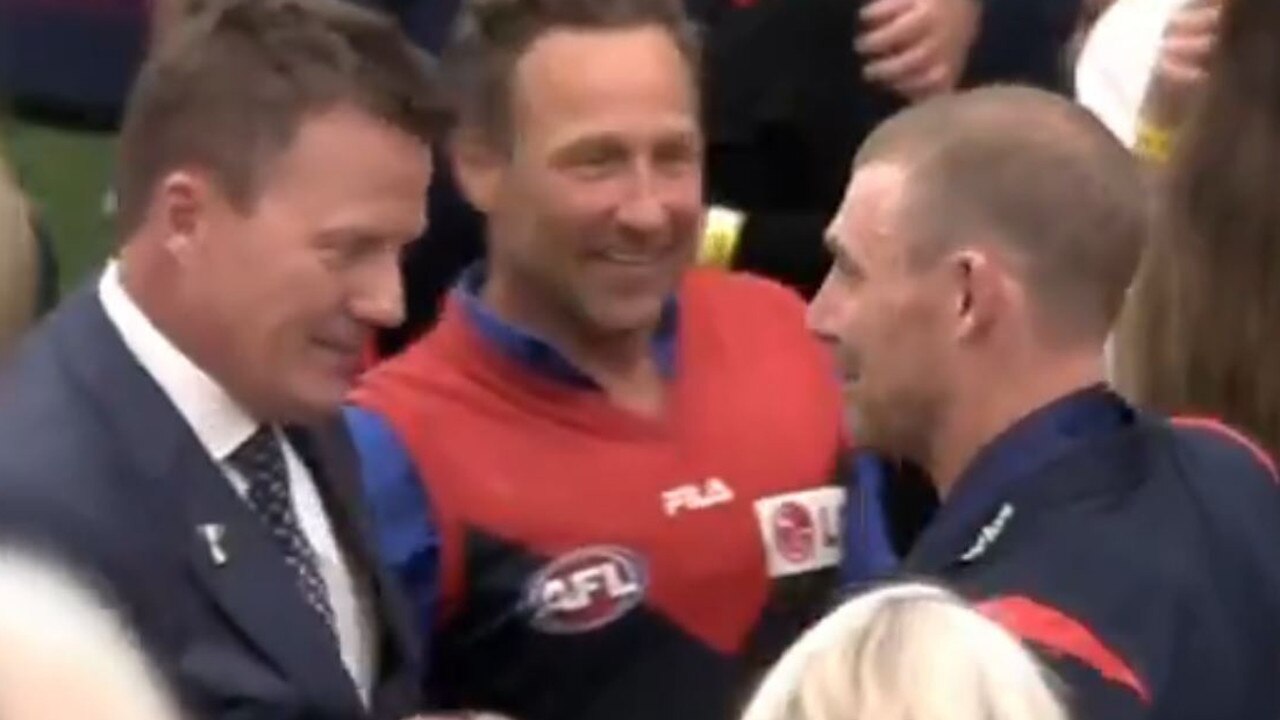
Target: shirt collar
<point>219,422</point>
<point>532,351</point>
<point>995,477</point>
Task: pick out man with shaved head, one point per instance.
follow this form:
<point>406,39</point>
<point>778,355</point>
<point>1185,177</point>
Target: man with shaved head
<point>983,251</point>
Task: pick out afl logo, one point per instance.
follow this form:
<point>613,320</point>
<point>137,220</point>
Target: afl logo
<point>586,589</point>
<point>794,532</point>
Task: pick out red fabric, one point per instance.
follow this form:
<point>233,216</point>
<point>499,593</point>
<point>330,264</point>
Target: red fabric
<point>369,357</point>
<point>1217,426</point>
<point>553,467</point>
<point>1063,635</point>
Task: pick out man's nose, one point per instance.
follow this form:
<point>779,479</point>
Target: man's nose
<point>820,316</point>
<point>379,299</point>
<point>643,210</point>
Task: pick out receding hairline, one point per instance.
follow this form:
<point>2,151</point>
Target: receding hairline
<point>533,61</point>
<point>483,66</point>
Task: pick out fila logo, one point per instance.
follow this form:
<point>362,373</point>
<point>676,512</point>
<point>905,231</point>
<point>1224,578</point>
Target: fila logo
<point>988,534</point>
<point>713,491</point>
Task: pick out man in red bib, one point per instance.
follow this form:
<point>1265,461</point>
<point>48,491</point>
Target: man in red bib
<point>610,482</point>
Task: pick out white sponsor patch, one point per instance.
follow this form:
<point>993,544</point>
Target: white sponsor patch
<point>989,534</point>
<point>802,531</point>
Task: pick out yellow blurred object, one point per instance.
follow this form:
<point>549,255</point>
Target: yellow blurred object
<point>721,233</point>
<point>1153,143</point>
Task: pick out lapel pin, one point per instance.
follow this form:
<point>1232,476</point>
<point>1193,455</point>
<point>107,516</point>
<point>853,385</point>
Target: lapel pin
<point>213,534</point>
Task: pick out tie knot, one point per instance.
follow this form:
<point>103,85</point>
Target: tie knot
<point>259,456</point>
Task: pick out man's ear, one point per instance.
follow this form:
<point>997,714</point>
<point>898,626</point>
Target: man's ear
<point>478,167</point>
<point>184,204</point>
<point>981,291</point>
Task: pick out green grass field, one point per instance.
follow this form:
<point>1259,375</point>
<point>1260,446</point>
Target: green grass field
<point>67,175</point>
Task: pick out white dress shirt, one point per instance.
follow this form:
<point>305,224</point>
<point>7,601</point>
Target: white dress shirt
<point>221,426</point>
<point>1118,58</point>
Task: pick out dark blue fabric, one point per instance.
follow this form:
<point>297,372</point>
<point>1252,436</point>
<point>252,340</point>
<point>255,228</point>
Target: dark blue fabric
<point>404,524</point>
<point>1014,457</point>
<point>538,354</point>
<point>868,553</point>
<point>71,61</point>
<point>427,22</point>
<point>99,470</point>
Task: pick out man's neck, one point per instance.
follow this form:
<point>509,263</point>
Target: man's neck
<point>621,363</point>
<point>986,410</point>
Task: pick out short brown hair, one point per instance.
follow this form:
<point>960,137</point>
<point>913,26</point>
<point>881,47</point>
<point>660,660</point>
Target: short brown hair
<point>229,89</point>
<point>492,35</point>
<point>1040,175</point>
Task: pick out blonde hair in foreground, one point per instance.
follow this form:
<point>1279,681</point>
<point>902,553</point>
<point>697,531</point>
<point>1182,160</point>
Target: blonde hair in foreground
<point>65,655</point>
<point>906,652</point>
<point>18,264</point>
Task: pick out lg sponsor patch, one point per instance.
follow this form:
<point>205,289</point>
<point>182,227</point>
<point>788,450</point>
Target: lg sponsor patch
<point>802,531</point>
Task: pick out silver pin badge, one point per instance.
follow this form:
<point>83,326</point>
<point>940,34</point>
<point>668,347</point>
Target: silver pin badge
<point>213,534</point>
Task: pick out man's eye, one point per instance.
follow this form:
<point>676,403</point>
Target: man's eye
<point>676,156</point>
<point>346,251</point>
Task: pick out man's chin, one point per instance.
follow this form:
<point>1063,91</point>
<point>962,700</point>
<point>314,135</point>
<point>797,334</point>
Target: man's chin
<point>629,318</point>
<point>317,401</point>
<point>864,433</point>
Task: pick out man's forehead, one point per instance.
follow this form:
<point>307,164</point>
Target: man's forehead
<point>871,202</point>
<point>586,70</point>
<point>575,86</point>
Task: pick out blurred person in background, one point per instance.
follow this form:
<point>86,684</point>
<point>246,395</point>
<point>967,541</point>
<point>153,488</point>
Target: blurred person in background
<point>172,430</point>
<point>1198,333</point>
<point>70,63</point>
<point>1152,54</point>
<point>66,654</point>
<point>792,89</point>
<point>19,262</point>
<point>906,652</point>
<point>982,255</point>
<point>612,483</point>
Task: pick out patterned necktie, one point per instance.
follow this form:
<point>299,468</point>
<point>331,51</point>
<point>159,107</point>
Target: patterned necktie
<point>261,460</point>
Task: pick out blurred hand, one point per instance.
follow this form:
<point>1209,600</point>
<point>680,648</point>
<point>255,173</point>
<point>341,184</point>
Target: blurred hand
<point>1183,63</point>
<point>1188,42</point>
<point>917,48</point>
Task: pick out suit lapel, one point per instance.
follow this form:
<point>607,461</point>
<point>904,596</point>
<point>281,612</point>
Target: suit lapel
<point>244,570</point>
<point>236,562</point>
<point>331,458</point>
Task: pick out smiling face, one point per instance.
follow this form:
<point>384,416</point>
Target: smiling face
<point>282,296</point>
<point>595,212</point>
<point>885,320</point>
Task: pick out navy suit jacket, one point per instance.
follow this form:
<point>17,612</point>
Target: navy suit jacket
<point>98,468</point>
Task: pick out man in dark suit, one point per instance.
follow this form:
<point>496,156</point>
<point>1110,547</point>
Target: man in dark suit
<point>168,431</point>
